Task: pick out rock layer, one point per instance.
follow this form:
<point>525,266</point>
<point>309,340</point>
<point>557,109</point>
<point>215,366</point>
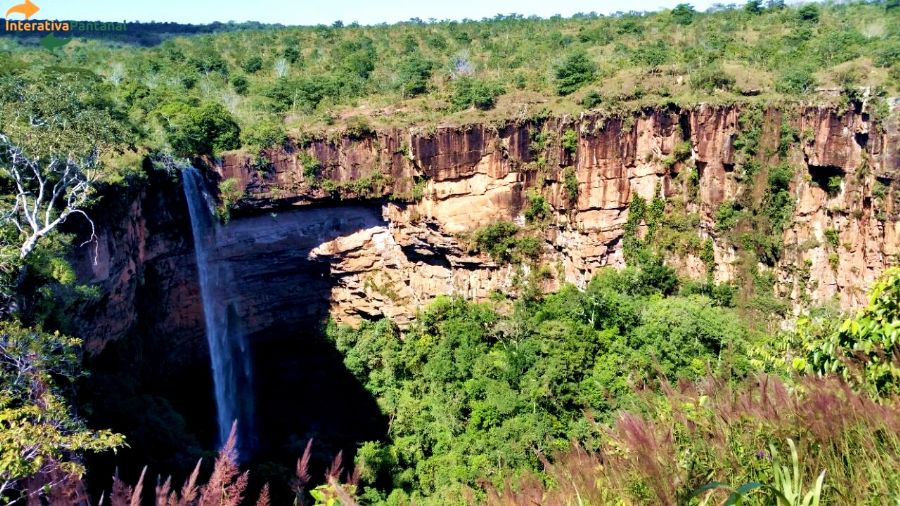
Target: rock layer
<point>380,231</point>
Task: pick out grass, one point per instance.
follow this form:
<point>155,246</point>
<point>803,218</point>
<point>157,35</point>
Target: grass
<point>717,431</point>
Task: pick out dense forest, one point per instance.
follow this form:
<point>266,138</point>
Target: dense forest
<point>642,387</point>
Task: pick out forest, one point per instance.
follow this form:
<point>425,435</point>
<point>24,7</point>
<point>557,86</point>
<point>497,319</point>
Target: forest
<point>640,386</point>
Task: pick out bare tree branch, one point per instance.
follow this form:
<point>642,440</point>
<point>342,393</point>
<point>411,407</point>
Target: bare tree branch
<point>47,193</point>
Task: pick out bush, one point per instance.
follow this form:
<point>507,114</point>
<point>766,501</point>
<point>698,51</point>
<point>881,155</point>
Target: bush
<point>591,99</point>
<point>497,240</point>
<point>311,167</point>
<point>538,209</point>
<point>265,134</point>
<point>683,14</point>
<point>573,72</point>
<point>809,13</point>
<point>203,130</point>
<point>473,92</point>
<point>796,80</point>
<point>359,127</point>
<point>413,74</point>
<point>230,193</point>
<point>711,78</point>
<point>570,141</point>
<point>240,84</point>
<point>252,65</point>
<point>570,182</point>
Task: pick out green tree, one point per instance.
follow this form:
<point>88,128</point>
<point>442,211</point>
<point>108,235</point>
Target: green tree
<point>413,74</point>
<point>573,72</point>
<point>474,92</point>
<point>864,349</point>
<point>683,14</point>
<point>205,129</point>
<point>39,437</point>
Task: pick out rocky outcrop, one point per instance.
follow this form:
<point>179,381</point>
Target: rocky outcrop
<point>380,229</point>
<point>470,176</point>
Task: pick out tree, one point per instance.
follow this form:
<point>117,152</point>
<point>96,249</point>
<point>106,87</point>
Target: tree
<point>413,74</point>
<point>753,6</point>
<point>55,125</point>
<point>864,349</point>
<point>39,437</point>
<point>683,14</point>
<point>809,13</point>
<point>471,91</point>
<point>574,72</point>
<point>46,193</point>
<point>199,130</point>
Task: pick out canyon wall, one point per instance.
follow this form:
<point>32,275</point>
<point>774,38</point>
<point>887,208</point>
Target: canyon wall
<point>376,225</point>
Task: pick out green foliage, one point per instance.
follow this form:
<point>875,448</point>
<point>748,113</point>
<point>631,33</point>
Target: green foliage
<point>199,130</point>
<point>38,433</point>
<point>710,78</point>
<point>796,80</point>
<point>538,209</point>
<point>230,193</point>
<point>240,84</point>
<point>570,182</point>
<point>833,237</point>
<point>473,391</point>
<point>864,349</point>
<point>473,92</point>
<point>265,134</point>
<point>573,72</point>
<point>502,241</point>
<point>312,167</point>
<point>683,14</point>
<point>570,141</point>
<point>591,99</point>
<point>413,74</point>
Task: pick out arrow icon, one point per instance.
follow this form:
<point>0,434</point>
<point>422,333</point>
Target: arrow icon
<point>52,42</point>
<point>27,9</point>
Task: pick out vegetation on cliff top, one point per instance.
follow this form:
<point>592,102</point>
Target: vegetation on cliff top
<point>418,73</point>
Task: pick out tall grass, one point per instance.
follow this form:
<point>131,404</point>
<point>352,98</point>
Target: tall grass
<point>694,433</point>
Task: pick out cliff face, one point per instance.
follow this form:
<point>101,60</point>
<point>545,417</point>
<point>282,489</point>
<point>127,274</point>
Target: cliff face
<point>303,245</point>
<point>836,242</point>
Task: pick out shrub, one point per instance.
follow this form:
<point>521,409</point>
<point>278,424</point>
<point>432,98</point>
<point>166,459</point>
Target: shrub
<point>591,99</point>
<point>240,84</point>
<point>809,13</point>
<point>311,167</point>
<point>252,65</point>
<point>570,141</point>
<point>711,78</point>
<point>267,133</point>
<point>497,240</point>
<point>573,72</point>
<point>474,92</point>
<point>359,127</point>
<point>230,193</point>
<point>538,209</point>
<point>683,14</point>
<point>203,130</point>
<point>796,80</point>
<point>727,216</point>
<point>413,74</point>
<point>570,182</point>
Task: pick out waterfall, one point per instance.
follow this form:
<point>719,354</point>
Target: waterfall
<point>228,350</point>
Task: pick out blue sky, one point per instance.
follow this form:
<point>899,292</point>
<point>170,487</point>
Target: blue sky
<point>305,12</point>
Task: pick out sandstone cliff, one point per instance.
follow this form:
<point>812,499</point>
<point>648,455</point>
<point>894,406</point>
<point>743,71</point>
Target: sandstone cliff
<point>380,228</point>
